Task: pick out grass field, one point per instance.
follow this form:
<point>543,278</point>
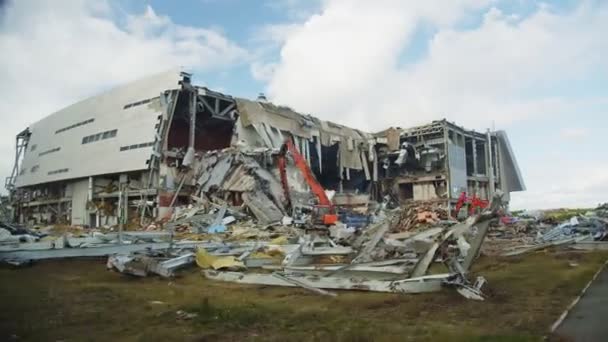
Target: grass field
<point>78,300</point>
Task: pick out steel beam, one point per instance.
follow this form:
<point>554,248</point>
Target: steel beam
<point>413,285</point>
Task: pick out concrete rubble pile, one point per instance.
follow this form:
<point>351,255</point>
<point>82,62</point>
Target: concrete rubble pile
<point>235,175</point>
<point>238,227</point>
<point>373,261</point>
<point>370,259</point>
<point>523,235</point>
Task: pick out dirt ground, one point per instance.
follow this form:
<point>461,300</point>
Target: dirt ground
<point>79,300</point>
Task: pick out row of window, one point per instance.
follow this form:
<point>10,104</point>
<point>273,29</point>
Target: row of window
<point>139,103</point>
<point>49,151</point>
<point>123,148</point>
<point>132,147</point>
<point>54,172</point>
<point>99,136</point>
<point>78,124</point>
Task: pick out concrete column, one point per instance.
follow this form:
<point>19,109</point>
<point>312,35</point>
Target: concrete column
<point>490,168</point>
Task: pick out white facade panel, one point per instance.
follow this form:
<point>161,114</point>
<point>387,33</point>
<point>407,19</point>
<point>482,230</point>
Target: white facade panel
<point>511,178</point>
<point>69,158</point>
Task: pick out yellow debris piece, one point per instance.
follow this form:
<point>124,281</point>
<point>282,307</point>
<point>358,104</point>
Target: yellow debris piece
<point>281,240</point>
<point>206,260</point>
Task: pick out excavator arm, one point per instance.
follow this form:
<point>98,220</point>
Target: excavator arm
<point>309,177</point>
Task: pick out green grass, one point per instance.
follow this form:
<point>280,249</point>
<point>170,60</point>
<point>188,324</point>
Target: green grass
<point>561,215</point>
<point>78,300</point>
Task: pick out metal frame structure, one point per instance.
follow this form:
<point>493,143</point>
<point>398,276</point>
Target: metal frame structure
<point>21,143</point>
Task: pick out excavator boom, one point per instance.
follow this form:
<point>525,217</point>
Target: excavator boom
<point>309,177</point>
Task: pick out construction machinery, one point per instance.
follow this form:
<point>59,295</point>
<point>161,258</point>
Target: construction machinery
<point>324,211</point>
<point>473,202</point>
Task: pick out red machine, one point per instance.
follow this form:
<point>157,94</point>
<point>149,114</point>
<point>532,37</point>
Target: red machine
<point>324,211</point>
<point>473,202</point>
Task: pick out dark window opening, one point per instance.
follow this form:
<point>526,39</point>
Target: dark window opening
<point>49,151</point>
<point>139,103</point>
<point>480,150</point>
<point>78,124</point>
<point>406,191</point>
<point>468,148</point>
<point>211,133</point>
<point>100,136</point>
<point>330,177</point>
<point>57,171</point>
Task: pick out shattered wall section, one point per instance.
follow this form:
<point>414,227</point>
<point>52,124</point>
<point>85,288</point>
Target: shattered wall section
<point>230,172</point>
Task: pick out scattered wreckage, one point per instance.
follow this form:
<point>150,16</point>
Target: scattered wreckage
<point>370,258</point>
<point>244,216</point>
<point>527,233</point>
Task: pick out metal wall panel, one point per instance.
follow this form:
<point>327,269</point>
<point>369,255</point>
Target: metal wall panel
<point>134,125</point>
<point>458,170</point>
<point>511,179</point>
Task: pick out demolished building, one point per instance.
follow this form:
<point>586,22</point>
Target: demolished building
<point>441,161</point>
<point>134,153</point>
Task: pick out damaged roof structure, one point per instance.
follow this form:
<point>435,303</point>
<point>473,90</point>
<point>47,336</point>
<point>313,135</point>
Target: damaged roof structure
<point>252,180</point>
<point>140,149</point>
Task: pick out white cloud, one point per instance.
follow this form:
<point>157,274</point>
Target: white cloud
<point>55,53</point>
<point>574,133</point>
<point>267,41</point>
<point>262,71</point>
<point>345,63</point>
<point>294,9</point>
<point>569,185</point>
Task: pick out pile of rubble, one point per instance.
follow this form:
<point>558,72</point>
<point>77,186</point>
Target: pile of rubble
<point>421,215</point>
<point>526,234</point>
<point>241,224</point>
<point>15,234</point>
<point>601,210</point>
<point>374,261</point>
<point>230,242</point>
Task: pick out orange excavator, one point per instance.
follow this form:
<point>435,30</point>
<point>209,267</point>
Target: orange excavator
<point>324,212</point>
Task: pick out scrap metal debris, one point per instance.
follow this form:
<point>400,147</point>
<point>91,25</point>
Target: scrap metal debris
<point>241,218</point>
<point>409,274</point>
<point>527,233</point>
<point>229,240</point>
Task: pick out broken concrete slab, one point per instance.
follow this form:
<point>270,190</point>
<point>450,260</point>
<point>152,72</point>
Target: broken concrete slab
<point>262,207</point>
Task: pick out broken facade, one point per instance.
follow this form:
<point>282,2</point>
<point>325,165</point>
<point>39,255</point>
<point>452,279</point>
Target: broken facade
<point>132,154</point>
<point>441,161</point>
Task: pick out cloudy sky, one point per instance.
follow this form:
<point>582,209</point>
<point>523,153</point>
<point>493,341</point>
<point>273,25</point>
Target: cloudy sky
<point>538,70</point>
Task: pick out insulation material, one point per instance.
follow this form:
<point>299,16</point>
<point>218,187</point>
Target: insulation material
<point>283,118</point>
<point>349,158</point>
<point>392,137</point>
<point>206,260</point>
<point>259,128</point>
<point>365,166</point>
